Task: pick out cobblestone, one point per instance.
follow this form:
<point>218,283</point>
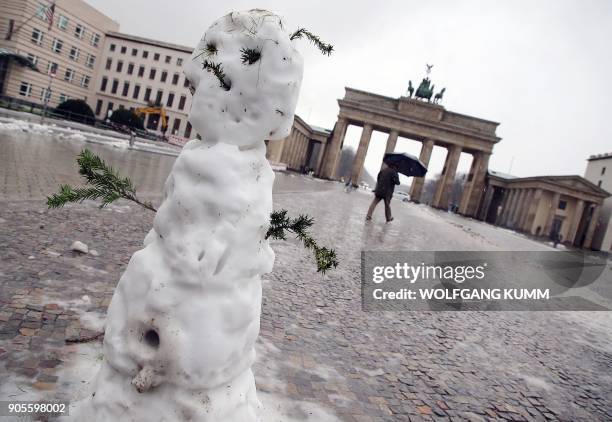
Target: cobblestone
<point>315,339</point>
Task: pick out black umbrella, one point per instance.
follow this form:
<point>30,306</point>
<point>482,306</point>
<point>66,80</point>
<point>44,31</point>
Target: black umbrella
<point>406,164</point>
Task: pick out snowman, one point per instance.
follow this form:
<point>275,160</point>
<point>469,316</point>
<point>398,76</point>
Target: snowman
<point>182,324</point>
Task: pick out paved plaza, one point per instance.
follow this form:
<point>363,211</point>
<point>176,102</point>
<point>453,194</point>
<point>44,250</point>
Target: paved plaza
<point>320,357</point>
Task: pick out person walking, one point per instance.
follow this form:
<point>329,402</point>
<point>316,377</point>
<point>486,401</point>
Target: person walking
<point>385,185</point>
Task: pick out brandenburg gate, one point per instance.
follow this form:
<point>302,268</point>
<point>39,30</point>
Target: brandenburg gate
<point>423,121</point>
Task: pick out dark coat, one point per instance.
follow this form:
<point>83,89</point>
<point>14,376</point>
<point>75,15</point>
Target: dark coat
<point>385,183</point>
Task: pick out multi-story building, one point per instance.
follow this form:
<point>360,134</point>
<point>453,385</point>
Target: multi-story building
<point>599,172</point>
<point>136,72</point>
<point>70,47</point>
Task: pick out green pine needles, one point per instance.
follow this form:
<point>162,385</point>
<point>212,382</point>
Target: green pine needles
<point>323,47</point>
<point>105,184</point>
<point>279,223</point>
<point>217,70</point>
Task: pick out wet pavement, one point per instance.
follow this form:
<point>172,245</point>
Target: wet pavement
<point>320,357</point>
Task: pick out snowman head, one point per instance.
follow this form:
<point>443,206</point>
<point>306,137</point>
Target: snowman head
<point>245,76</point>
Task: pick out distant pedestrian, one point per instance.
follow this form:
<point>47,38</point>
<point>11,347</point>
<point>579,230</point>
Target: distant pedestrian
<point>132,138</point>
<point>557,238</point>
<point>386,181</point>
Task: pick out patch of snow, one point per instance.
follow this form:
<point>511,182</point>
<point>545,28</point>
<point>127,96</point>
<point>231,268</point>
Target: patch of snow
<point>79,246</point>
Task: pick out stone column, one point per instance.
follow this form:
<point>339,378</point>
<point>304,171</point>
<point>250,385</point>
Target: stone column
<point>517,208</point>
<point>320,158</point>
<point>416,189</point>
<point>332,149</point>
<point>578,210</point>
<point>275,149</point>
<point>588,240</point>
<point>508,207</point>
<point>522,217</point>
<point>440,199</point>
<point>531,210</point>
<point>486,203</point>
<point>391,142</point>
<point>301,160</point>
<point>551,214</point>
<point>473,189</point>
<point>362,150</point>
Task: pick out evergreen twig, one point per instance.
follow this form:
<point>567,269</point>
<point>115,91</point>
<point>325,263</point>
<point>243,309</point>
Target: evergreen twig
<point>279,223</point>
<point>249,55</point>
<point>301,32</point>
<point>105,184</point>
<point>217,70</point>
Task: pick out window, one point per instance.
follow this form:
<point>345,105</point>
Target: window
<point>181,104</point>
<point>79,31</point>
<point>176,126</point>
<point>136,92</point>
<point>98,107</point>
<point>25,89</point>
<point>45,95</point>
<point>90,60</point>
<point>112,47</point>
<point>119,66</point>
<point>170,99</point>
<point>179,61</point>
<point>186,83</point>
<point>188,130</point>
<point>168,59</point>
<point>74,53</point>
<point>141,71</point>
<point>156,57</point>
<point>109,107</point>
<point>147,96</point>
<point>62,22</point>
<point>85,81</point>
<point>95,39</point>
<point>33,58</point>
<point>603,171</point>
<point>152,74</point>
<point>109,63</point>
<point>145,54</point>
<point>164,76</point>
<point>158,98</point>
<point>123,49</point>
<point>175,78</point>
<point>103,84</point>
<point>51,68</point>
<point>69,75</point>
<point>562,205</point>
<point>134,52</point>
<point>126,89</point>
<point>599,183</point>
<point>37,36</point>
<point>130,69</point>
<point>115,86</point>
<point>63,98</point>
<point>57,45</point>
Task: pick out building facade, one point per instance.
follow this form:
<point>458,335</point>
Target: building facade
<point>303,149</point>
<point>137,72</point>
<point>563,207</point>
<point>599,172</point>
<point>70,49</point>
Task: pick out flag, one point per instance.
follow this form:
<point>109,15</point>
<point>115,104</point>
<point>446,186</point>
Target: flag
<point>49,12</point>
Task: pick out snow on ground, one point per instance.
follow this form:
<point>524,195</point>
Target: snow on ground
<point>8,124</point>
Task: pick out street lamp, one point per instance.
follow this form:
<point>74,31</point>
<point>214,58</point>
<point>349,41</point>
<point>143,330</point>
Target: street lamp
<point>47,95</point>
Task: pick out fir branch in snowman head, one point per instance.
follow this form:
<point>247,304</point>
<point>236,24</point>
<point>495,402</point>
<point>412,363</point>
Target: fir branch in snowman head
<point>245,76</point>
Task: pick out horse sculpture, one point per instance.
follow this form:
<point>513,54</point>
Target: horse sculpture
<point>410,89</point>
<point>424,91</point>
<point>439,96</point>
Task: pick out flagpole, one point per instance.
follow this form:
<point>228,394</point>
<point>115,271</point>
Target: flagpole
<point>11,32</point>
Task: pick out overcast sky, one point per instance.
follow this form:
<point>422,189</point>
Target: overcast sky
<point>542,69</point>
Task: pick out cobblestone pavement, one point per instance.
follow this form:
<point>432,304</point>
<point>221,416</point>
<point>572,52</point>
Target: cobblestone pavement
<point>316,345</point>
